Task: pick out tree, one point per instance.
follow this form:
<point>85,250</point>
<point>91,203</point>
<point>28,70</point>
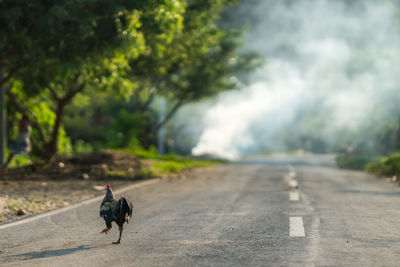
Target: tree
<point>198,63</point>
<point>85,42</point>
<point>58,32</point>
<point>135,49</point>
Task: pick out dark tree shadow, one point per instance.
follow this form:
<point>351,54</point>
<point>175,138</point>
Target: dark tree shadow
<point>48,253</point>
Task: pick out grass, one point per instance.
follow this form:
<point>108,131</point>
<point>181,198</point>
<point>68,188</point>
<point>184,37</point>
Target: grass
<point>146,172</point>
<point>118,174</point>
<point>151,154</point>
<point>167,164</point>
<point>156,165</point>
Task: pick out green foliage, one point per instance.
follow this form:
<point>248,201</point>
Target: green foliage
<point>86,72</point>
<point>64,143</point>
<point>104,121</point>
<point>41,111</point>
<point>389,166</point>
<point>61,31</point>
<point>20,160</point>
<point>72,46</point>
<point>81,147</point>
<point>200,59</point>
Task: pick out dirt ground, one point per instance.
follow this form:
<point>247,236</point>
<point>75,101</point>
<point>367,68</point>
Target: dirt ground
<point>19,199</point>
<point>42,187</point>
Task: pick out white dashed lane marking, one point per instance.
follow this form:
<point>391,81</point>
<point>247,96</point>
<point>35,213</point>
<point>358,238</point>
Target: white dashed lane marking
<point>293,184</point>
<point>296,222</point>
<point>290,178</point>
<point>296,227</point>
<point>294,196</point>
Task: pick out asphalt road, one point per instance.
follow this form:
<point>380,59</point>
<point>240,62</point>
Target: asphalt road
<point>258,212</point>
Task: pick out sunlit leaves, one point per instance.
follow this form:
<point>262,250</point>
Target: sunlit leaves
<point>76,48</point>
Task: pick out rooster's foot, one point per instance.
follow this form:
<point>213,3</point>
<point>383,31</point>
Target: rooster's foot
<point>105,231</point>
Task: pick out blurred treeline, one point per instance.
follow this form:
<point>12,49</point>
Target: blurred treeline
<point>358,144</point>
<point>377,148</point>
<point>88,73</point>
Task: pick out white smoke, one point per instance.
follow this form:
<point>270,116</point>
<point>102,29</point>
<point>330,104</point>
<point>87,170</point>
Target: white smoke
<point>334,58</point>
<point>229,122</point>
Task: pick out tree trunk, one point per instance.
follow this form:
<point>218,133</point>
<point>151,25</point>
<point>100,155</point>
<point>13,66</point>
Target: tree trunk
<point>61,104</point>
<point>169,115</point>
<point>47,149</point>
<point>149,100</point>
<point>53,143</point>
<point>3,121</point>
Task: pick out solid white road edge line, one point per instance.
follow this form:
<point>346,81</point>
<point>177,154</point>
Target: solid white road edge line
<point>86,202</point>
<point>294,196</point>
<point>296,227</point>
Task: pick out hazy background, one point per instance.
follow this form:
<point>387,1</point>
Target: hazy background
<point>330,80</point>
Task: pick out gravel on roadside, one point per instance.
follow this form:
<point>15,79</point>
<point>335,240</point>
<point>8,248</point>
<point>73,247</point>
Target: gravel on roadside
<point>20,199</point>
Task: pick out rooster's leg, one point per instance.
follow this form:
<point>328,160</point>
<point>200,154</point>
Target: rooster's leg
<point>121,228</point>
<point>108,227</point>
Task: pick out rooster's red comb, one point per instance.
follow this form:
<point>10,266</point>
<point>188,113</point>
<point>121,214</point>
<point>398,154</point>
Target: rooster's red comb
<point>108,186</point>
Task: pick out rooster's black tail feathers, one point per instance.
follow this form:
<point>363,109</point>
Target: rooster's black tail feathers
<point>126,208</point>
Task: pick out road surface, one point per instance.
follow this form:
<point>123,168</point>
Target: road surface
<point>258,212</point>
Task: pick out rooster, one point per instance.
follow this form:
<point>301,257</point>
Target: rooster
<point>118,211</point>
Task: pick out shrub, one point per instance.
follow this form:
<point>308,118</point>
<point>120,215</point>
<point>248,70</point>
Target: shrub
<point>386,166</point>
<point>354,162</point>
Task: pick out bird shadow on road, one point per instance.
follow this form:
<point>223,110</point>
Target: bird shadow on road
<point>48,253</point>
